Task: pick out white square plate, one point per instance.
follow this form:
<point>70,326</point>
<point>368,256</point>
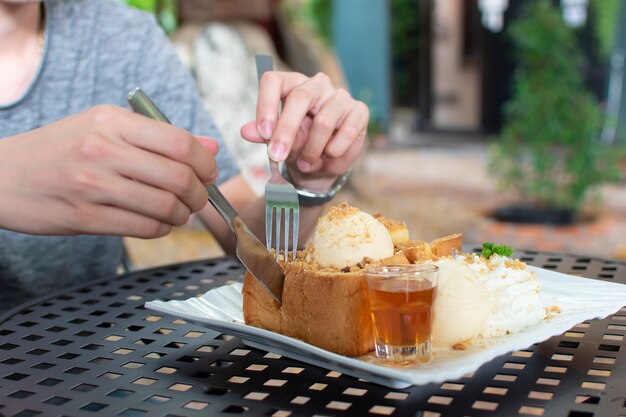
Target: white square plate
<point>579,299</point>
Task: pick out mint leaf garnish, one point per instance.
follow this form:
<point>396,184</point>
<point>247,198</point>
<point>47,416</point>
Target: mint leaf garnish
<point>491,249</point>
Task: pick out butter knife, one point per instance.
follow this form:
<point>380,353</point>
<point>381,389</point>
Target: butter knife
<point>250,251</point>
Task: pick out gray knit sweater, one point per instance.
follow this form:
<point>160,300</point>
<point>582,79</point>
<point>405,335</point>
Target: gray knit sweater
<point>95,52</point>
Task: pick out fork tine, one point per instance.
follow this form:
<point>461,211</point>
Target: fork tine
<point>268,230</point>
<point>286,233</point>
<point>295,217</point>
<point>278,226</point>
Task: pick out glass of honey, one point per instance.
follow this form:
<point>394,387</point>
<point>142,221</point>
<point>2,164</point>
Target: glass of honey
<point>401,302</point>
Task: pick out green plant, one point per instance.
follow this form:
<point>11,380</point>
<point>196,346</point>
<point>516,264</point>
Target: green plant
<point>548,148</point>
<point>315,14</point>
<point>166,11</point>
<point>605,14</point>
<point>322,14</point>
<point>405,44</point>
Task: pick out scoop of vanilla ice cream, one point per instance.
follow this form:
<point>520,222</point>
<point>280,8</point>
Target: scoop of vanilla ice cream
<point>346,235</point>
<point>515,291</point>
<point>462,305</point>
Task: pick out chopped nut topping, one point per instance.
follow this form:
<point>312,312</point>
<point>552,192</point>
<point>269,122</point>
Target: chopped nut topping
<point>515,264</point>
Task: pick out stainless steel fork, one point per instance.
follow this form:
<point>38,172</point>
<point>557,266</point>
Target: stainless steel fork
<point>281,198</point>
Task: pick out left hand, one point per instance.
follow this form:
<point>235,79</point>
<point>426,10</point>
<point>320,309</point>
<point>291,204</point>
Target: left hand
<point>320,132</point>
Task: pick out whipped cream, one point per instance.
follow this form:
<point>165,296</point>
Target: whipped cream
<point>514,290</point>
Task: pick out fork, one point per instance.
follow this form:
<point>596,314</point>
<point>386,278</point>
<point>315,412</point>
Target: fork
<point>280,195</point>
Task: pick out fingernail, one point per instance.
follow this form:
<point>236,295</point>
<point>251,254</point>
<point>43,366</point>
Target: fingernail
<point>214,176</point>
<point>266,129</point>
<point>304,166</point>
<point>278,151</point>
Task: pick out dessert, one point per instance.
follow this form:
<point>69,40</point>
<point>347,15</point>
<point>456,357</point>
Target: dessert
<point>325,294</point>
<point>325,299</point>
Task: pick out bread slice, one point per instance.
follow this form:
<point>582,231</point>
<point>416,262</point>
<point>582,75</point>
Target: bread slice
<point>398,230</point>
<point>447,245</point>
<point>418,251</point>
<point>321,307</point>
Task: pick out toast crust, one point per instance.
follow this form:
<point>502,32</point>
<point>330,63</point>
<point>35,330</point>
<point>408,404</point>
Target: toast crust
<point>327,309</point>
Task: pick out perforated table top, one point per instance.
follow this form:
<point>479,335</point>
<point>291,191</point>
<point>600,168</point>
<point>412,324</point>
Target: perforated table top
<point>95,351</point>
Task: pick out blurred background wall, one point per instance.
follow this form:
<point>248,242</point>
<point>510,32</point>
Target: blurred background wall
<point>434,64</point>
<point>437,75</point>
<point>361,39</point>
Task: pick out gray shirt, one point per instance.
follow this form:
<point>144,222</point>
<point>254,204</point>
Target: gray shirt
<point>95,52</point>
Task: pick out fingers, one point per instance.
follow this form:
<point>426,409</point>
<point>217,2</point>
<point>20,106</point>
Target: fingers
<point>156,137</point>
<point>338,166</point>
<point>273,86</point>
<point>209,144</point>
<point>336,132</point>
<point>175,178</point>
<point>353,127</point>
<point>326,121</point>
<point>121,159</point>
<point>250,133</point>
<point>108,171</point>
<point>173,143</point>
<point>110,220</point>
<point>303,95</point>
<point>317,123</point>
<point>156,154</point>
<point>268,103</point>
<point>131,196</point>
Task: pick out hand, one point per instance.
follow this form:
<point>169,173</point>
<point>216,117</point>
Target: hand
<point>104,171</point>
<point>320,132</point>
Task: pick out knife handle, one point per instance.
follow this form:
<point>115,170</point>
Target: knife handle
<point>140,103</point>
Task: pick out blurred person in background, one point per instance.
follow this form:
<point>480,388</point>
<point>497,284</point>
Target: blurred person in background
<point>78,170</point>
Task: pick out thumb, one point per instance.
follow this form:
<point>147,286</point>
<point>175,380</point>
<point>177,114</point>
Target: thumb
<point>250,133</point>
<point>209,144</point>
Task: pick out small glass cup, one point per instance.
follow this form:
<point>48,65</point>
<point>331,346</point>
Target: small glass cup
<point>401,302</point>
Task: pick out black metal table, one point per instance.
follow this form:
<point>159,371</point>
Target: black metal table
<point>95,350</point>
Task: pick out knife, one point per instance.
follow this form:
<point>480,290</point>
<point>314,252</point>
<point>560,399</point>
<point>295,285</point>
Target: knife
<point>250,251</point>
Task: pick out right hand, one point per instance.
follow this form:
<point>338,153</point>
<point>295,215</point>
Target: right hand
<point>104,171</point>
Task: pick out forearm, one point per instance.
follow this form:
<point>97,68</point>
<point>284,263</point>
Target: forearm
<point>8,213</point>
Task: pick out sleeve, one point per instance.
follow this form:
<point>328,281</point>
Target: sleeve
<point>161,74</point>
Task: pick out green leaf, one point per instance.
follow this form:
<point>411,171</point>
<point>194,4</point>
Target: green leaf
<point>490,249</point>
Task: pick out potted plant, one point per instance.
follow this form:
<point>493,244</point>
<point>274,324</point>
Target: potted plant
<point>548,149</point>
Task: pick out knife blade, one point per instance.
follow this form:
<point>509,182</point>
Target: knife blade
<point>250,251</point>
